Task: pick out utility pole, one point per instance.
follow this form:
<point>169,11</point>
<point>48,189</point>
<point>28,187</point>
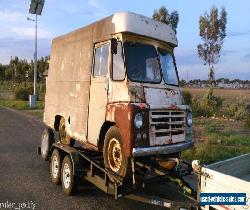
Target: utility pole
<point>35,62</point>
<point>36,7</point>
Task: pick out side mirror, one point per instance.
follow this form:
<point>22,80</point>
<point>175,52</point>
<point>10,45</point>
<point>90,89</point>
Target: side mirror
<point>114,46</point>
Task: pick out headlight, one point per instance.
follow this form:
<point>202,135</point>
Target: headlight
<point>189,119</point>
<point>138,120</point>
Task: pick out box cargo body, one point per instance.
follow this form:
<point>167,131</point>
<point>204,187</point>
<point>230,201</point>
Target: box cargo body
<point>68,83</point>
<point>90,105</point>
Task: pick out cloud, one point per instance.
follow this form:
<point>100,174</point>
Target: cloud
<point>201,72</point>
<point>188,59</point>
<point>192,58</point>
<point>247,57</point>
<point>23,48</point>
<point>227,52</point>
<point>95,3</point>
<point>188,72</point>
<point>92,8</point>
<point>29,32</point>
<point>10,16</point>
<point>238,33</point>
<point>99,8</point>
<point>234,75</point>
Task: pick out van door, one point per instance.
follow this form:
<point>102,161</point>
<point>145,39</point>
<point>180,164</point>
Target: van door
<point>98,91</point>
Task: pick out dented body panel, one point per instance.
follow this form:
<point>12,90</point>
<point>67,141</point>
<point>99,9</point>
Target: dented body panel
<point>88,103</point>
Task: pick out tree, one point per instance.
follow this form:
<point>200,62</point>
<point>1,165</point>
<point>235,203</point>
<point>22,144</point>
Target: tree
<point>164,16</point>
<point>2,71</point>
<point>213,33</point>
<point>43,65</point>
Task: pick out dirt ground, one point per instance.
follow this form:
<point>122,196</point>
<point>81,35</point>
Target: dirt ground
<point>229,95</point>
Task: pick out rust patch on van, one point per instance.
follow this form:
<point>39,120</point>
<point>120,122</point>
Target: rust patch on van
<point>123,114</point>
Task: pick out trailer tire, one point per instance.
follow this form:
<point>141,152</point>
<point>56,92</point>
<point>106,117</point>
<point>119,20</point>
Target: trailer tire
<point>114,156</point>
<point>69,181</point>
<point>46,143</point>
<point>55,167</point>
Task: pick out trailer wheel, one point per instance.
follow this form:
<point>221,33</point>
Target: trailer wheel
<point>67,177</point>
<point>46,143</point>
<point>55,167</point>
<point>113,153</point>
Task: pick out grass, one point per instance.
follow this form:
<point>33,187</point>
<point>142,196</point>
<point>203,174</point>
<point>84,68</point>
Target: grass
<point>221,137</point>
<point>208,153</point>
<point>20,105</point>
<point>218,140</point>
<point>14,86</point>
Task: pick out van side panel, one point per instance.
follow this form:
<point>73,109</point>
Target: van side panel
<point>68,82</point>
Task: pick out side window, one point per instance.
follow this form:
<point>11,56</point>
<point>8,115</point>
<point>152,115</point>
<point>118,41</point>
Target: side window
<point>118,64</point>
<point>101,60</point>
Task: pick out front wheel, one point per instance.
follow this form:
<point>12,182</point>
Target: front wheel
<point>113,153</point>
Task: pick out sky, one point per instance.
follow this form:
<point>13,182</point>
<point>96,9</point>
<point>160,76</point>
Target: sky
<point>60,17</point>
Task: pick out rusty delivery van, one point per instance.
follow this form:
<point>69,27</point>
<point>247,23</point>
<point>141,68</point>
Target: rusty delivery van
<point>113,87</point>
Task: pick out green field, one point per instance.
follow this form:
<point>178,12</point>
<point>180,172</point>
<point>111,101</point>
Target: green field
<point>24,106</point>
<point>20,105</point>
<point>218,138</point>
<point>215,138</point>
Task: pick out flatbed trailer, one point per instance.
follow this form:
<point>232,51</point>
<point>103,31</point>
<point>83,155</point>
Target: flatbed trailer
<point>88,165</point>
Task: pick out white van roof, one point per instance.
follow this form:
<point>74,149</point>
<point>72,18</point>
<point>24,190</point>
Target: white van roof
<point>139,24</point>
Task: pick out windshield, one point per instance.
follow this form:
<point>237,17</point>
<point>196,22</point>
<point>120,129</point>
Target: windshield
<point>141,62</point>
<point>168,67</point>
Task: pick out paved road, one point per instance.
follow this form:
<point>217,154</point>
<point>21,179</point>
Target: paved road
<point>24,177</point>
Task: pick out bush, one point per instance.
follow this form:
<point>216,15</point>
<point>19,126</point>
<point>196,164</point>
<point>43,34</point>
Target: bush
<point>238,110</point>
<point>208,105</point>
<point>198,109</point>
<point>23,94</point>
<point>187,97</point>
<point>247,121</point>
<point>212,102</point>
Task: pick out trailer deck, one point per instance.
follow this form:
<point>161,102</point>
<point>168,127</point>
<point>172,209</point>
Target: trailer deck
<point>148,184</point>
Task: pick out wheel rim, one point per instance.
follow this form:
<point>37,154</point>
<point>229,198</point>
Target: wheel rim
<point>114,154</point>
<point>55,167</point>
<point>44,146</point>
<point>66,175</point>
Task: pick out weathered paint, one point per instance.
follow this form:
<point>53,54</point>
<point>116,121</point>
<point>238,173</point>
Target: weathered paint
<point>123,115</point>
<point>160,97</point>
<point>69,81</point>
<point>97,108</point>
<point>141,25</point>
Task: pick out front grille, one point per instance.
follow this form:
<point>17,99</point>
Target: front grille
<point>167,126</point>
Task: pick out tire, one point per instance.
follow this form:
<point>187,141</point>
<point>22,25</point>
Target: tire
<point>55,167</point>
<point>69,181</point>
<point>114,156</point>
<point>46,143</point>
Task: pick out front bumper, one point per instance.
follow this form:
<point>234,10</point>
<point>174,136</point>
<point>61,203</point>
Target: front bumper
<point>158,150</point>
